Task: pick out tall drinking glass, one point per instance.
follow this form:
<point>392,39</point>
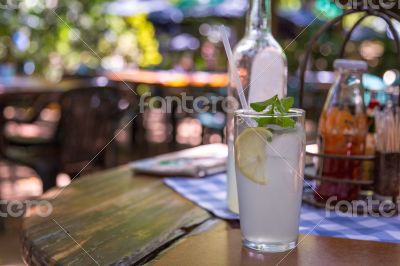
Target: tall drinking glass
<point>269,162</point>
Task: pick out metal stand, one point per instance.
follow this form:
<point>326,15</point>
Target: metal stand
<point>386,15</point>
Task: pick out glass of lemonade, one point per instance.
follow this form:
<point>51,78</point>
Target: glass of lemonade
<point>269,162</point>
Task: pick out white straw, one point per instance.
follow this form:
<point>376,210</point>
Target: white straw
<point>232,65</point>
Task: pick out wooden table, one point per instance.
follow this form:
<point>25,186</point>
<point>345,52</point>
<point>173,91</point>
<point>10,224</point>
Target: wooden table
<point>113,217</point>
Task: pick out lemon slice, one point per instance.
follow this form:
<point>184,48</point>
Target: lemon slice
<point>250,153</point>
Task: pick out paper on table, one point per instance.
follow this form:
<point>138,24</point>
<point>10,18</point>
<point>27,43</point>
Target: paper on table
<point>195,162</point>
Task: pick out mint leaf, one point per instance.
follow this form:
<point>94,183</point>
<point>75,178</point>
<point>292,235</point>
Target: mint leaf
<point>285,122</point>
<point>261,106</point>
<point>258,107</point>
<point>282,105</point>
<point>263,121</point>
<point>275,106</point>
<point>287,103</point>
<point>279,106</point>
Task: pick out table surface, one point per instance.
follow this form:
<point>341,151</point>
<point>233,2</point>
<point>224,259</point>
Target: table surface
<point>27,84</point>
<point>113,217</point>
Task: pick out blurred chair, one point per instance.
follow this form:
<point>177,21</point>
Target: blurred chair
<point>88,121</point>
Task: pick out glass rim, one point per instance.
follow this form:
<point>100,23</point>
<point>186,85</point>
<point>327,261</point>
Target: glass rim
<point>293,112</point>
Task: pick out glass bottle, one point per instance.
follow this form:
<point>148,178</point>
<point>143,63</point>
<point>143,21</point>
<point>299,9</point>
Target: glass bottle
<point>342,130</point>
<point>262,68</point>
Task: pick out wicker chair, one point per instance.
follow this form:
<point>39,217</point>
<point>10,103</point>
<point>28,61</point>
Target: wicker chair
<point>89,118</point>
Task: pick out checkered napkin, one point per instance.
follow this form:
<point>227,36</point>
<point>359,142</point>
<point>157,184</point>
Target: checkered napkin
<point>210,193</point>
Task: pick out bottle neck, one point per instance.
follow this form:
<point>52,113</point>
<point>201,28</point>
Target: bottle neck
<point>346,74</point>
<point>349,90</point>
<point>259,17</point>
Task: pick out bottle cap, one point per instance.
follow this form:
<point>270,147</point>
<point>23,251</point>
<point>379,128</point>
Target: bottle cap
<point>350,64</point>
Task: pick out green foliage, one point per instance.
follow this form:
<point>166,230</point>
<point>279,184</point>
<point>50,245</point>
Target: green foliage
<point>75,33</point>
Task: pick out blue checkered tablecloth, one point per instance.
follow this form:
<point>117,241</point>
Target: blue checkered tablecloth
<point>209,193</point>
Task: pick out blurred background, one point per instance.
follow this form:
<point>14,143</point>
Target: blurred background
<point>50,48</point>
<point>57,39</point>
<point>162,47</point>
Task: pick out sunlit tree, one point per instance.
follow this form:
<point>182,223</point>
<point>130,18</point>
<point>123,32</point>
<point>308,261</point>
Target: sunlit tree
<point>74,37</point>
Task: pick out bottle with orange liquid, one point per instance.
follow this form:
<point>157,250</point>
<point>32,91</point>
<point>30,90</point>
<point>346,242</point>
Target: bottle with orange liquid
<point>342,130</point>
